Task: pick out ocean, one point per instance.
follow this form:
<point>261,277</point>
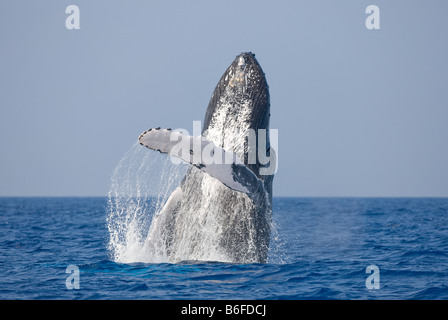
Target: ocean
<point>322,248</point>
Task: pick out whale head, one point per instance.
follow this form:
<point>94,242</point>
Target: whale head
<point>242,91</point>
<point>239,103</point>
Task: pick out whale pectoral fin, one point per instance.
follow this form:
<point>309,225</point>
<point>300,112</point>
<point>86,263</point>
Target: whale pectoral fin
<point>171,142</point>
<point>204,155</point>
<point>235,176</point>
<point>157,139</point>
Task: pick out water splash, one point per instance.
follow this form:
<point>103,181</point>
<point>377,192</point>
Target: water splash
<point>141,184</point>
<point>277,253</point>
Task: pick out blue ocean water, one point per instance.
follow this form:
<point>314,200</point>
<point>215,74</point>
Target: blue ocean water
<point>321,250</point>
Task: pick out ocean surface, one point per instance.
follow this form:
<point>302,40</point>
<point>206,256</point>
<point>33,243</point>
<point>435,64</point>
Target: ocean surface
<point>323,248</point>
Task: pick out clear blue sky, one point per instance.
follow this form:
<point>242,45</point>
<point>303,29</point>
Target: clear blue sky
<point>359,112</point>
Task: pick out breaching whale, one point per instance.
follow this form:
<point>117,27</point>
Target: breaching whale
<point>222,209</point>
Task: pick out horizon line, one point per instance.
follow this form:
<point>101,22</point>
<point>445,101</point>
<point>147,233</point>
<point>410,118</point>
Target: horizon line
<point>280,196</point>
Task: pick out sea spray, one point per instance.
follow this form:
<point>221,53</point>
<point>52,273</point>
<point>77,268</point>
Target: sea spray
<point>140,185</point>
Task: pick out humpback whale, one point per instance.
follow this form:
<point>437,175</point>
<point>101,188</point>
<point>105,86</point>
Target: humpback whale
<point>222,209</point>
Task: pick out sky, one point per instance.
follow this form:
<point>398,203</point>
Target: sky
<point>360,112</point>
